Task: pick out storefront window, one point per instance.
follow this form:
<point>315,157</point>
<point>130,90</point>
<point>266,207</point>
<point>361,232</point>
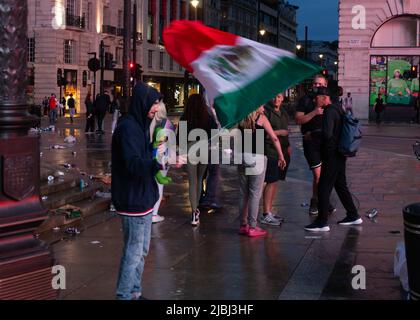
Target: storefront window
<point>397,79</point>
<point>398,32</point>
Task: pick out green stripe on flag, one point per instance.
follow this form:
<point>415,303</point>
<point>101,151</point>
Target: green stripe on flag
<point>234,106</point>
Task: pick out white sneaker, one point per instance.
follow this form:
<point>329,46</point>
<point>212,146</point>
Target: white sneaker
<point>270,220</point>
<point>195,218</point>
<point>157,218</point>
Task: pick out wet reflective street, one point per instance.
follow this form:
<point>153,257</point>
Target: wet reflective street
<point>213,262</point>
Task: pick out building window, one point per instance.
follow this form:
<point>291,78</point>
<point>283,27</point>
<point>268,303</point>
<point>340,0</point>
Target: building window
<point>180,68</point>
<point>161,60</point>
<point>89,16</point>
<point>31,49</point>
<point>120,19</point>
<point>71,7</point>
<point>171,64</point>
<point>150,59</point>
<point>398,32</point>
<point>69,51</point>
<point>119,55</point>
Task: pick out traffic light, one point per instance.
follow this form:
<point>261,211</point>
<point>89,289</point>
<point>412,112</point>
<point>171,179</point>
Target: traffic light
<point>138,70</point>
<point>131,68</point>
<point>414,72</point>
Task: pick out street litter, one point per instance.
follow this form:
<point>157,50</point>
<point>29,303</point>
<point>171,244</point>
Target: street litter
<point>104,178</point>
<point>372,213</point>
<point>83,184</point>
<point>70,212</point>
<point>57,146</point>
<point>50,178</point>
<point>44,198</point>
<point>304,205</point>
<point>74,153</point>
<point>95,242</point>
<point>59,174</point>
<point>56,229</point>
<point>72,231</point>
<point>104,195</point>
<point>70,139</point>
<point>112,208</point>
<point>400,265</point>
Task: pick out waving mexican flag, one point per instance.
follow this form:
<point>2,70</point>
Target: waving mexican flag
<point>238,74</point>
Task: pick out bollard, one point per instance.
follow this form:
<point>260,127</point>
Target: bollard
<point>412,246</point>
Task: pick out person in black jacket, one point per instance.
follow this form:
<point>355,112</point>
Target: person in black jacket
<point>333,174</point>
<point>134,189</point>
<point>90,118</point>
<point>102,105</point>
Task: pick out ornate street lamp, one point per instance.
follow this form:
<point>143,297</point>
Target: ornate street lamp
<point>26,262</point>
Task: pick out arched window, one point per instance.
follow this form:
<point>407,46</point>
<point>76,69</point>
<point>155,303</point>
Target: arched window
<point>403,31</point>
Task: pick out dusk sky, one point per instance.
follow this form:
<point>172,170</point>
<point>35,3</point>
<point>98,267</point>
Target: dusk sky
<point>321,16</point>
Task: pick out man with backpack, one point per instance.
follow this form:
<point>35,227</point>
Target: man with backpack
<point>335,130</point>
<point>72,107</point>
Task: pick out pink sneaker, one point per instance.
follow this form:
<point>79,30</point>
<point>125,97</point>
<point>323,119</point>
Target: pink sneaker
<point>256,232</point>
<point>243,230</point>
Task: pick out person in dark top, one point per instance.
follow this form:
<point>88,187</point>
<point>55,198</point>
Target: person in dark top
<point>333,174</point>
<point>279,120</point>
<point>72,107</point>
<point>378,107</point>
<point>63,102</point>
<point>90,118</point>
<point>310,119</point>
<point>134,189</point>
<point>102,105</point>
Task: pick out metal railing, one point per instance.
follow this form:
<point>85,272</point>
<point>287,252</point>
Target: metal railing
<point>76,21</point>
<point>109,29</point>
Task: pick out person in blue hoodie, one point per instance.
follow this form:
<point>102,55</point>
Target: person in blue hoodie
<point>134,188</point>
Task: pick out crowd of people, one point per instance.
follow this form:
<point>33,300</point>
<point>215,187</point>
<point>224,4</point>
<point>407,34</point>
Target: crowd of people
<point>136,194</point>
<point>96,110</point>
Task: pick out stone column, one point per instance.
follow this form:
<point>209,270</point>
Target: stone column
<point>25,262</point>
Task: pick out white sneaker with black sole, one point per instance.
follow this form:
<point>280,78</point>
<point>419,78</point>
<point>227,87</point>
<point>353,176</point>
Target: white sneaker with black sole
<point>350,221</point>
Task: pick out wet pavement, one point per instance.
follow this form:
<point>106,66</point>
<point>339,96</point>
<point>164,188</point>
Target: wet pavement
<point>212,262</point>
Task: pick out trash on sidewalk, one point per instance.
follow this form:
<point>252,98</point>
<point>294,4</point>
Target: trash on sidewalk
<point>56,229</point>
<point>112,208</point>
<point>57,147</point>
<point>44,198</point>
<point>72,231</point>
<point>104,178</point>
<point>59,174</point>
<point>400,265</point>
<point>74,153</point>
<point>104,195</point>
<point>372,213</point>
<point>70,139</point>
<point>50,178</point>
<point>68,165</point>
<point>83,184</point>
<point>95,242</point>
<point>304,205</point>
<point>69,211</point>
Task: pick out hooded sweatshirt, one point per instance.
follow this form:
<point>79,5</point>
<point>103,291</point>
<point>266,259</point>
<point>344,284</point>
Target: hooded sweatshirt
<point>134,189</point>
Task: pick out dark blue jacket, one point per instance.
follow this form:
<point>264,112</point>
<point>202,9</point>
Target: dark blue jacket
<point>134,188</point>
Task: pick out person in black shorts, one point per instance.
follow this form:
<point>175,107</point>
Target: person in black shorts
<point>279,121</point>
<point>310,119</point>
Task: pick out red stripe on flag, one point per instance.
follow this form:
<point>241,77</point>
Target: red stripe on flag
<point>186,40</point>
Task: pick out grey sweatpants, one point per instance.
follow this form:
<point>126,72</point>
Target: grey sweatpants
<point>195,178</point>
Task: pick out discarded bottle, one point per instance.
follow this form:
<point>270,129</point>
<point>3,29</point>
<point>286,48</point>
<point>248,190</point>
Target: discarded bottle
<point>82,184</point>
<point>372,213</point>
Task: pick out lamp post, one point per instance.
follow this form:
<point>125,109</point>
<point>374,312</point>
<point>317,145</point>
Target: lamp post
<point>336,69</point>
<point>321,56</point>
<point>262,33</point>
<point>26,263</point>
<point>195,4</point>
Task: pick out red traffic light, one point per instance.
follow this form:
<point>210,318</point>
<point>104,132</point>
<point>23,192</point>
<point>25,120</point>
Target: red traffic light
<point>131,65</point>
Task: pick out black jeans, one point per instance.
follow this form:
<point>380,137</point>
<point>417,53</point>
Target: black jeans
<point>100,119</point>
<point>333,175</point>
<point>90,124</point>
